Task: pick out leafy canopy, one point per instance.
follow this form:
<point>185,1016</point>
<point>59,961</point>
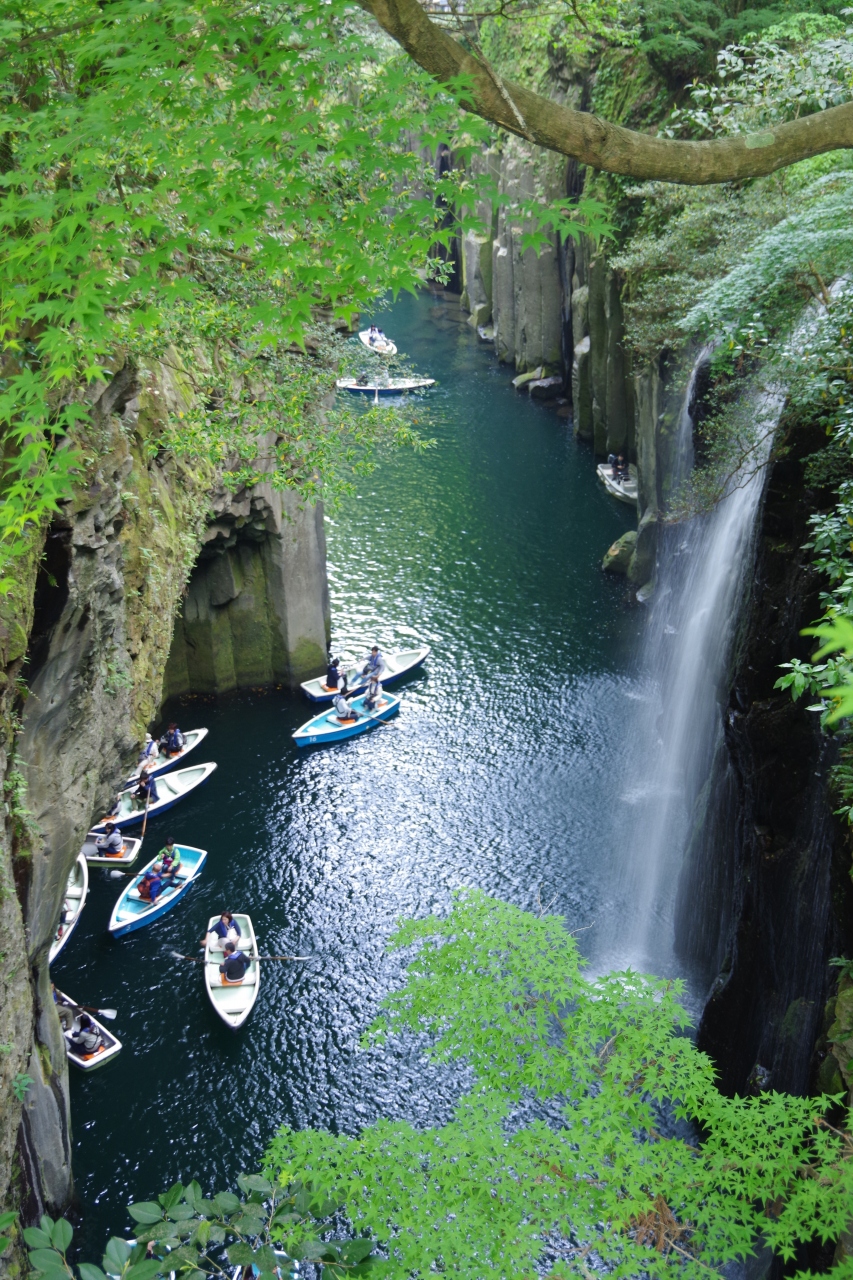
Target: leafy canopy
<point>495,1192</point>
<point>217,185</point>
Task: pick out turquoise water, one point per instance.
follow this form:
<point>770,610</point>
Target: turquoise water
<point>497,772</point>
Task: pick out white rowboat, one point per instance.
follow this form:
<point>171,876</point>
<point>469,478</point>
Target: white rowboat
<point>396,665</point>
<point>95,858</point>
<point>72,905</point>
<point>623,490</point>
<point>164,761</point>
<point>233,1001</point>
<point>110,1045</point>
<point>382,347</point>
<point>394,386</point>
<point>171,788</point>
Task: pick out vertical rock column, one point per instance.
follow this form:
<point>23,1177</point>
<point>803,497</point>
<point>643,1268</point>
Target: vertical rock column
<point>257,606</point>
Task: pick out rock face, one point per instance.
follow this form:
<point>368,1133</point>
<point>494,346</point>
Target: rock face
<point>253,613</point>
<point>95,620</point>
<point>766,896</point>
<point>617,557</point>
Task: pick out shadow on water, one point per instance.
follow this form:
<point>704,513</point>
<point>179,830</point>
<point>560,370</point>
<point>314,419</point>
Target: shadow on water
<point>498,772</point>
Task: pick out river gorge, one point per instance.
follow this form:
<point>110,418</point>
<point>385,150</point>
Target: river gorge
<point>597,731</point>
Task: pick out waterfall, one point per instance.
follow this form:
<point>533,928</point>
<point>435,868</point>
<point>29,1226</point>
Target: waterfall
<point>676,721</point>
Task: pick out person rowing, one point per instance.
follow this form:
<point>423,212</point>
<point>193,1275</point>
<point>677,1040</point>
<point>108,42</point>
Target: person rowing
<point>146,790</point>
<point>235,964</point>
<point>173,741</point>
<point>151,885</point>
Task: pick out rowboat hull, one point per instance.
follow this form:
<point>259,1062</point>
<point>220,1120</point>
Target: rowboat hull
<point>110,1044</point>
<point>164,762</point>
<point>131,912</point>
<point>386,348</point>
<point>622,490</point>
<point>327,728</point>
<point>398,664</point>
<point>93,858</point>
<point>172,788</point>
<point>398,387</point>
<point>233,1003</point>
<point>73,902</point>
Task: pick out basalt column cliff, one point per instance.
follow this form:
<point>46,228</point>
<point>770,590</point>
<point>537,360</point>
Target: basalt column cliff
<point>155,579</point>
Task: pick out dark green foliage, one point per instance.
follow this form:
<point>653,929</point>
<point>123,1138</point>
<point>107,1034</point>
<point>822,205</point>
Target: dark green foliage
<point>681,40</point>
<point>183,1232</point>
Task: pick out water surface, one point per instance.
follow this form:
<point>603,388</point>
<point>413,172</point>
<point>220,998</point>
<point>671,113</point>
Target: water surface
<point>498,772</point>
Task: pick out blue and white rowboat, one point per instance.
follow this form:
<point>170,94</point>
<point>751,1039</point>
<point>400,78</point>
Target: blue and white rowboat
<point>327,728</point>
<point>396,665</point>
<point>171,788</point>
<point>132,912</point>
<point>163,761</point>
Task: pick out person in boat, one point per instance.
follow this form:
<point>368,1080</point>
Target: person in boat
<point>111,843</point>
<point>235,964</point>
<point>149,752</point>
<point>621,468</point>
<point>151,885</point>
<point>225,930</point>
<point>373,335</point>
<point>333,674</point>
<point>86,1037</point>
<point>173,741</point>
<point>343,710</point>
<point>375,667</point>
<point>65,1012</point>
<point>146,789</point>
<point>373,695</point>
<point>612,462</point>
<point>169,858</point>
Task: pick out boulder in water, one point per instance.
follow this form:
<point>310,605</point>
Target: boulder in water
<point>545,388</point>
<point>618,556</point>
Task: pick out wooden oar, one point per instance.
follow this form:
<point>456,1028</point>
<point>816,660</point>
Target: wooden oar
<point>196,960</point>
<point>102,1013</point>
<point>145,819</point>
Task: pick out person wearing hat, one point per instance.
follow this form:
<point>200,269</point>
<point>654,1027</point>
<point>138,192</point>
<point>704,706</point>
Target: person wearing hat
<point>111,843</point>
<point>149,752</point>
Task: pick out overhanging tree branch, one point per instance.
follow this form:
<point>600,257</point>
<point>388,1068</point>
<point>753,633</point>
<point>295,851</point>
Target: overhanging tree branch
<point>597,142</point>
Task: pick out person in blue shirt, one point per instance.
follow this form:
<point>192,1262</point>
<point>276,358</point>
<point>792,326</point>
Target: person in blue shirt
<point>225,930</point>
<point>173,741</point>
<point>149,752</point>
<point>235,964</point>
<point>151,884</point>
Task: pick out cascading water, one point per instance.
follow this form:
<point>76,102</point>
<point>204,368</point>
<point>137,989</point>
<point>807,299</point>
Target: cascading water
<point>701,570</point>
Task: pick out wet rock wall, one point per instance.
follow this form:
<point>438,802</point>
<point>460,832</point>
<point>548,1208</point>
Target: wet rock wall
<point>84,649</point>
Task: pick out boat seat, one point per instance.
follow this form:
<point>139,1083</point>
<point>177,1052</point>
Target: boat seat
<point>232,999</point>
<point>329,688</point>
<point>347,719</point>
<point>87,1057</point>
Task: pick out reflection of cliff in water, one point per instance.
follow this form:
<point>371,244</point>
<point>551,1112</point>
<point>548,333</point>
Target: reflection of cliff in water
<point>702,566</point>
